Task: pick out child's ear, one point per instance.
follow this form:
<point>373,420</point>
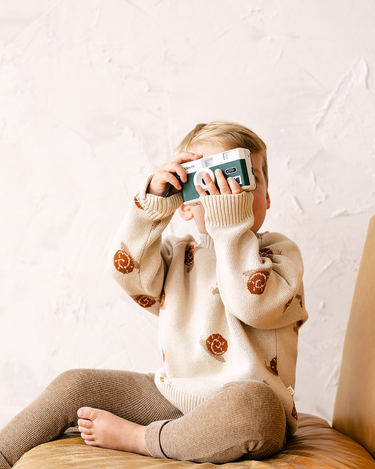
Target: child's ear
<point>268,199</point>
<point>185,212</point>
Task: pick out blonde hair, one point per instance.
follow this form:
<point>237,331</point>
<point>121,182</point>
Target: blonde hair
<point>228,135</point>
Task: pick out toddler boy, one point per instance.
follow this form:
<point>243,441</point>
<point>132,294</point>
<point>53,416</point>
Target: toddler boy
<point>230,306</point>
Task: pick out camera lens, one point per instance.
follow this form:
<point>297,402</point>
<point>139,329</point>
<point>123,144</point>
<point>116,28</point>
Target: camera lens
<point>198,177</point>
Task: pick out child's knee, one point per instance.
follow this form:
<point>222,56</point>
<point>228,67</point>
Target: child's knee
<point>256,406</point>
<point>71,382</point>
<point>258,417</point>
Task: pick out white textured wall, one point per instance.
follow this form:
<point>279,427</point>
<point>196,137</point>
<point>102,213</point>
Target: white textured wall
<point>95,94</point>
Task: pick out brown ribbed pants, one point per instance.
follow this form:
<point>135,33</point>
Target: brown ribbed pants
<point>245,418</point>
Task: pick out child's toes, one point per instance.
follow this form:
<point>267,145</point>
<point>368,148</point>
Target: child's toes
<point>85,413</point>
<point>91,442</point>
<point>84,428</point>
<point>87,436</point>
<point>85,423</point>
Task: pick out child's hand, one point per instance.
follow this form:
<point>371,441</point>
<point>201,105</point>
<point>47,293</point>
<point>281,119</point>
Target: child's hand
<point>166,174</point>
<point>226,186</point>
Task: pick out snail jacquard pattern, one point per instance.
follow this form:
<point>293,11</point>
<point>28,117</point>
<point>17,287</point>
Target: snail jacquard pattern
<point>216,346</point>
<point>257,281</point>
<point>219,303</point>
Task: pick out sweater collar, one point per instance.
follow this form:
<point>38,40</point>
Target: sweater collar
<point>206,241</point>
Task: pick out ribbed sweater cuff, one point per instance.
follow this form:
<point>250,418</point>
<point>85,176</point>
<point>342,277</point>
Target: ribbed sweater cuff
<point>224,210</point>
<point>152,439</point>
<point>157,208</point>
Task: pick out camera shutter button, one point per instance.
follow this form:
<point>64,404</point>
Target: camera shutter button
<point>198,177</point>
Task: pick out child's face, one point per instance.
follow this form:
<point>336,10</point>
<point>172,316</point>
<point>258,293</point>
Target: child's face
<point>261,201</point>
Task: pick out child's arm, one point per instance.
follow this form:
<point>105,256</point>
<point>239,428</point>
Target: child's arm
<point>138,260</point>
<point>259,277</point>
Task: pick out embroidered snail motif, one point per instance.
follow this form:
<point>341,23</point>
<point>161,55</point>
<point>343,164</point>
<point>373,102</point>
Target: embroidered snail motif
<point>123,260</point>
<point>294,412</point>
<point>144,300</point>
<point>189,257</point>
<point>287,304</point>
<point>298,325</point>
<point>162,300</point>
<point>138,204</point>
<point>165,381</point>
<point>273,367</point>
<point>299,297</point>
<point>266,252</point>
<point>216,346</point>
<point>257,281</point>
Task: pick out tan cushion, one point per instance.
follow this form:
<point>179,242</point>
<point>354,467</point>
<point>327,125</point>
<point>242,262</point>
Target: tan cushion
<point>315,445</point>
<point>354,412</point>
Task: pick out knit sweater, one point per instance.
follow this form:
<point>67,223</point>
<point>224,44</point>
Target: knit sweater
<point>229,306</point>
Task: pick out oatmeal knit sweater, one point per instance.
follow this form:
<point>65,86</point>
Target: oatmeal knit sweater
<point>229,307</point>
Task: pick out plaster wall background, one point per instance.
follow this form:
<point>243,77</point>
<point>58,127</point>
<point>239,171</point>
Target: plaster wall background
<point>95,95</point>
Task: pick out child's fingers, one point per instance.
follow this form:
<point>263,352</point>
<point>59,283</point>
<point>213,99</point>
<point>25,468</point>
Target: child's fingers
<point>170,178</point>
<point>170,173</point>
<point>173,168</point>
<point>225,186</point>
<point>211,187</point>
<point>234,186</point>
<point>201,191</point>
<point>184,157</point>
<point>222,182</point>
<point>174,164</point>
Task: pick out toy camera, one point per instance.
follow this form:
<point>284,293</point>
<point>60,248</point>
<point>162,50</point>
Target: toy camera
<point>235,163</point>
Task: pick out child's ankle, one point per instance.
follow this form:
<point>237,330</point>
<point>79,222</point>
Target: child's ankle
<point>141,442</point>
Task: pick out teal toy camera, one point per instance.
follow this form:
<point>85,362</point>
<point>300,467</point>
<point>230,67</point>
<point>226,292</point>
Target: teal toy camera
<point>235,163</point>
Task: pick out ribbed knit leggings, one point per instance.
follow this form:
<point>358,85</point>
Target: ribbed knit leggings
<point>245,418</point>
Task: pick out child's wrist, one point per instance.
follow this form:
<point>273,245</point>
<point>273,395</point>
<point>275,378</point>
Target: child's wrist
<point>156,207</point>
<point>151,190</point>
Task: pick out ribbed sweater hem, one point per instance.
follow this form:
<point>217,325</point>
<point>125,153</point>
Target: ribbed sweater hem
<point>183,401</point>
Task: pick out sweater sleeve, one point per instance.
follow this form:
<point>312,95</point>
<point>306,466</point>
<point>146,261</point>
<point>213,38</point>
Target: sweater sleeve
<point>138,260</point>
<point>259,276</point>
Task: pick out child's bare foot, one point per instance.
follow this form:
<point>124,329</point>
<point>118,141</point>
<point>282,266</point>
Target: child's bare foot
<point>101,428</point>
